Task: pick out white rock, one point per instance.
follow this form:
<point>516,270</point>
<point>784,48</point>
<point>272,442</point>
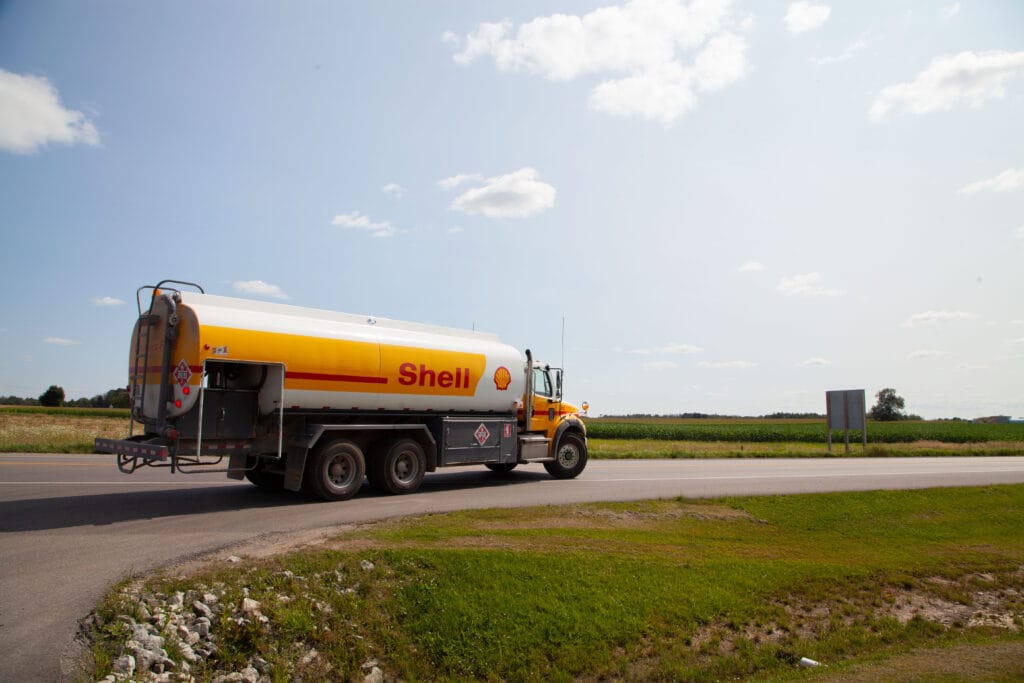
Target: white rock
<point>124,665</point>
<point>177,601</point>
<point>375,676</point>
<point>366,565</point>
<point>234,559</point>
<point>188,653</point>
<point>250,675</point>
<point>369,664</point>
<point>202,609</point>
<point>250,606</point>
<point>210,598</point>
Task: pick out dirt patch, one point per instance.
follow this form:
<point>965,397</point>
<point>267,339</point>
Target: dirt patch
<point>984,601</point>
<point>638,517</point>
<point>993,662</point>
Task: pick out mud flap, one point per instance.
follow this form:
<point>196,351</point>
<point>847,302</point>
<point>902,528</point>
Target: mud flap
<point>296,464</point>
<point>237,465</point>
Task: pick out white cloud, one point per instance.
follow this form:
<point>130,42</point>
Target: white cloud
<point>259,288</point>
<point>61,341</point>
<point>357,221</point>
<point>806,16</point>
<point>1019,233</point>
<point>1010,179</point>
<point>816,362</point>
<point>932,317</point>
<point>727,365</point>
<point>31,116</point>
<point>751,267</point>
<point>666,349</point>
<point>516,195</point>
<point>678,348</point>
<point>951,11</point>
<point>661,365</point>
<point>454,181</point>
<point>926,353</point>
<point>971,77</point>
<point>851,51</point>
<point>107,301</point>
<point>655,55</point>
<point>455,229</point>
<point>806,284</point>
<point>393,189</point>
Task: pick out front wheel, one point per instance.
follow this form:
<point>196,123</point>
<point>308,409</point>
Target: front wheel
<point>570,457</point>
<point>336,470</point>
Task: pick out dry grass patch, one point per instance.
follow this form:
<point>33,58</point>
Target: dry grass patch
<point>46,433</point>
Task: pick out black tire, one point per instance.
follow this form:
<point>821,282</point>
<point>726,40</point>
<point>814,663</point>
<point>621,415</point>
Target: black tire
<point>501,467</point>
<point>570,457</point>
<point>335,471</point>
<point>272,481</point>
<point>398,467</point>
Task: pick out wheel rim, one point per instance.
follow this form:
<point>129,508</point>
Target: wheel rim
<point>568,456</point>
<point>406,467</point>
<point>340,472</point>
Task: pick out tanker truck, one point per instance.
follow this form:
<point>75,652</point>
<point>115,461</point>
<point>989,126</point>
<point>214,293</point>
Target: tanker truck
<point>313,400</point>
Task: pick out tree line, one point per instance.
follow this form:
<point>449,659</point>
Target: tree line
<point>54,397</point>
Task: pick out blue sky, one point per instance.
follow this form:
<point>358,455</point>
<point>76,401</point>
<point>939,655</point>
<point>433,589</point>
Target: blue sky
<point>735,206</point>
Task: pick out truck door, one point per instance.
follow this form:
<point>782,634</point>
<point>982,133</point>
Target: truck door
<point>545,402</point>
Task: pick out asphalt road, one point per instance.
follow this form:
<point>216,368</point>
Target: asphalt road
<point>72,525</point>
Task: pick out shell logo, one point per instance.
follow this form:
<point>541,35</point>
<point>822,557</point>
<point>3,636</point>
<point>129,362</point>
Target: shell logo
<point>502,378</point>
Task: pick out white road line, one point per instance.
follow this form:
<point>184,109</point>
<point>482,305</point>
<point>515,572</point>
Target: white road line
<point>107,483</point>
<point>828,475</point>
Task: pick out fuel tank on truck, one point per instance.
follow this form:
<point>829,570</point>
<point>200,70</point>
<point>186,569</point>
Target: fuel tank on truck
<point>335,361</point>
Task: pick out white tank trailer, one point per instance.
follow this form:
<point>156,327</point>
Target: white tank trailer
<point>314,400</point>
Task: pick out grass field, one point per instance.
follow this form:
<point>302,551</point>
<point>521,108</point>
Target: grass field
<point>802,431</point>
<point>739,588</point>
<point>72,430</point>
<point>48,430</point>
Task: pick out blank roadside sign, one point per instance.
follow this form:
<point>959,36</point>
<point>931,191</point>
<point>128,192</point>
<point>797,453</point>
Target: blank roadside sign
<point>845,410</point>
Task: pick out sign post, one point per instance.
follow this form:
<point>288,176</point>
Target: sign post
<point>845,410</point>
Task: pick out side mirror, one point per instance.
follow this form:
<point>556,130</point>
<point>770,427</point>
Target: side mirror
<point>558,384</point>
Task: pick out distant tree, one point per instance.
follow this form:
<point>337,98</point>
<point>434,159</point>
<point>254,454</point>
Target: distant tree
<point>889,406</point>
<point>116,398</point>
<point>52,397</point>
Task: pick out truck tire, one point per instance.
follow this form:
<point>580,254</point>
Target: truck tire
<point>336,470</point>
<point>501,467</point>
<point>570,457</point>
<point>399,467</point>
<point>259,475</point>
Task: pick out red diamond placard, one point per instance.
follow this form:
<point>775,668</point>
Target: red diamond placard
<point>482,434</point>
<point>182,373</point>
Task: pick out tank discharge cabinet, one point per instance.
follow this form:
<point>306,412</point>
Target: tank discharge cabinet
<point>313,400</point>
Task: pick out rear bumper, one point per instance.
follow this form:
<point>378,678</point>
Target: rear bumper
<point>134,449</point>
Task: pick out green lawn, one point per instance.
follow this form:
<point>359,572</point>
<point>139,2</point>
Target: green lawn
<point>662,590</point>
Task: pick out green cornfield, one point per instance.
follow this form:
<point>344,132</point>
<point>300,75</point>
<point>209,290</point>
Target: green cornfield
<point>800,431</point>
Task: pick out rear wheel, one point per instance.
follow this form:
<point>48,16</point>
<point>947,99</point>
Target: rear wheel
<point>570,457</point>
<point>336,470</point>
<point>259,475</point>
<point>398,467</point>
